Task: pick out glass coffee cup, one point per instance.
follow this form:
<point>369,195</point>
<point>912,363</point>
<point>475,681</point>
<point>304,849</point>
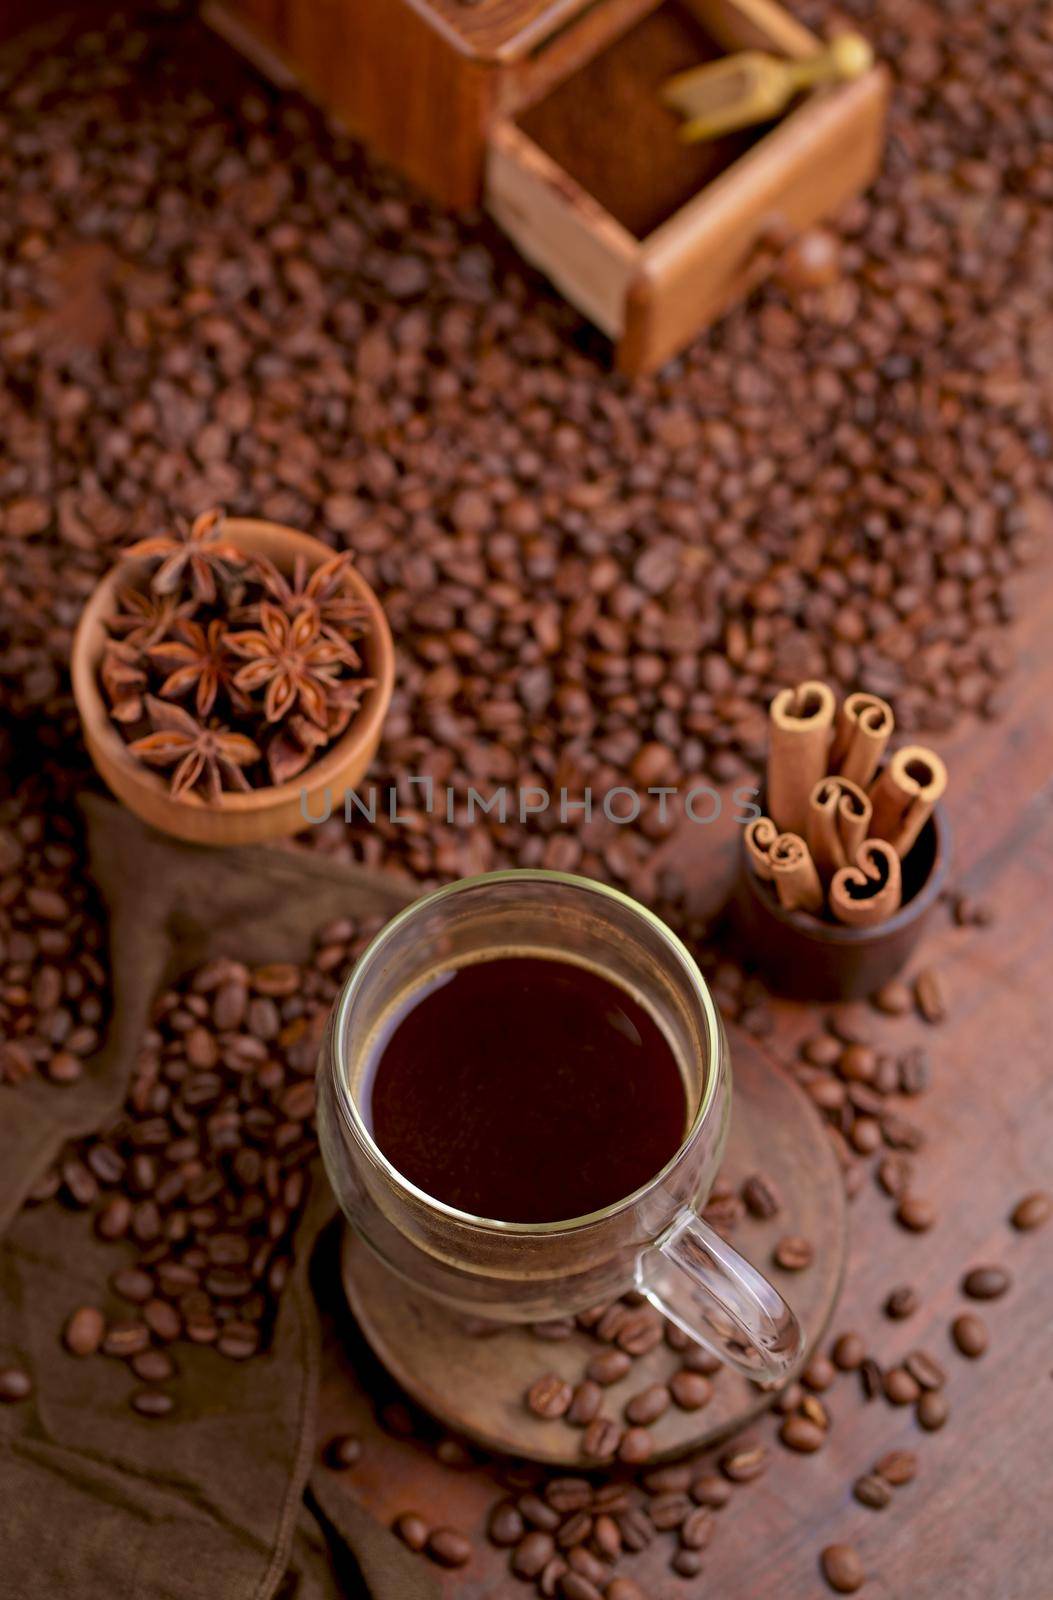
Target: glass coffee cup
<point>652,1240</point>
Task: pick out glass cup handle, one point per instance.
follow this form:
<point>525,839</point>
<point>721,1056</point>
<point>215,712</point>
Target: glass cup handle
<point>696,1280</point>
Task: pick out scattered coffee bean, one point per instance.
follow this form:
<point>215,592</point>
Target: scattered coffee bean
<point>708,1490</point>
<point>585,1403</point>
<point>15,1385</point>
<point>932,1410</point>
<point>697,1529</point>
<point>669,1510</point>
<point>802,1435</point>
<point>411,1529</point>
<point>1033,1211</point>
<point>84,1331</point>
<point>901,1303</point>
<point>343,1451</point>
<point>900,1388</point>
<point>819,1374</point>
<point>448,1548</point>
<point>624,1589</point>
<point>549,1396</point>
<point>848,1352</point>
<point>152,1403</point>
<point>636,1446</point>
<point>690,1390</point>
<point>842,1568</point>
<point>532,1553</point>
<point>893,998</point>
<point>872,1491</point>
<point>894,1174</point>
<point>687,1563</point>
<point>929,996</point>
<point>153,1366</point>
<point>871,1378</point>
<point>601,1439</point>
<point>743,1463</point>
<point>925,1370</point>
<point>608,1367</point>
<point>760,1196</point>
<point>568,1494</point>
<point>970,1334</point>
<point>673,1478</point>
<point>538,1513</point>
<point>647,1406</point>
<point>897,1466</point>
<point>915,1213</point>
<point>793,1253</point>
<point>985,1283</point>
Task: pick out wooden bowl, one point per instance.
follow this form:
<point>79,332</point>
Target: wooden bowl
<point>270,813</point>
<point>802,956</point>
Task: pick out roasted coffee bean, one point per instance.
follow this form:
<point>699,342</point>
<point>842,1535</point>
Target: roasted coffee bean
<point>531,1554</point>
<point>913,1072</point>
<point>925,1370</point>
<point>1033,1211</point>
<point>574,1587</point>
<point>152,1403</point>
<point>606,1537</point>
<point>624,1589</point>
<point>857,1063</point>
<point>15,1385</point>
<point>585,1403</point>
<point>574,1530</point>
<point>673,1478</point>
<point>78,1183</point>
<point>612,1496</point>
<point>153,1366</point>
<point>412,1529</point>
<point>342,1451</point>
<point>900,1388</point>
<point>568,1494</point>
<point>897,1466</point>
<point>581,1560</point>
<point>125,1339</point>
<point>554,1332</point>
<point>640,1332</point>
<point>687,1563</point>
<point>133,1285</point>
<point>842,1568</point>
<point>761,1197</point>
<point>635,1446</point>
<point>697,1529</point>
<point>986,1283</point>
<point>893,998</point>
<point>929,996</point>
<point>865,1136</point>
<point>538,1513</point>
<point>821,1050</point>
<point>608,1367</point>
<point>901,1303</point>
<point>793,1253</point>
<point>708,1490</point>
<point>970,1334</point>
<point>84,1331</point>
<point>601,1439</point>
<point>819,1374</point>
<point>549,1396</point>
<point>932,1410</point>
<point>163,1320</point>
<point>636,1529</point>
<point>698,1359</point>
<point>690,1390</point>
<point>669,1510</point>
<point>552,1573</point>
<point>788,1399</point>
<point>802,1434</point>
<point>448,1547</point>
<point>505,1526</point>
<point>848,1352</point>
<point>872,1491</point>
<point>743,1463</point>
<point>647,1406</point>
<point>872,1379</point>
<point>915,1213</point>
<point>894,1174</point>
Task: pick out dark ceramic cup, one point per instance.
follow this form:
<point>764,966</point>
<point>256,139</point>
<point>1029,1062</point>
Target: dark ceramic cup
<point>808,958</point>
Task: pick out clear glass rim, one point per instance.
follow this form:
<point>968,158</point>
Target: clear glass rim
<point>353,985</point>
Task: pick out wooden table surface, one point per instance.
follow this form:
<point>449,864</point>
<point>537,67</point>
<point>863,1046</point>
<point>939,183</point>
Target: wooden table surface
<point>976,1523</point>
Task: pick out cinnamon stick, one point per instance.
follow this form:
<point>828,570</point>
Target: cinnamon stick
<point>793,874</point>
<point>799,735</point>
<point>761,834</point>
<point>838,821</point>
<point>864,727</point>
<point>904,795</point>
<point>867,893</point>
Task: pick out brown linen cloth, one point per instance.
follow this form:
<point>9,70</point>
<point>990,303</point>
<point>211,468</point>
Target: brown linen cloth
<point>208,1504</point>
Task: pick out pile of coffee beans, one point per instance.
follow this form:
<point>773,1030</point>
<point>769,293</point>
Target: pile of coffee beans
<point>211,298</point>
<point>54,986</point>
<point>204,1173</point>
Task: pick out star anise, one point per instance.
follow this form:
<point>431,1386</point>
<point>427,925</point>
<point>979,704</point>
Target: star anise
<point>203,757</point>
<point>122,677</point>
<point>324,594</point>
<point>195,552</point>
<point>294,745</point>
<point>144,617</point>
<point>291,658</point>
<point>198,659</point>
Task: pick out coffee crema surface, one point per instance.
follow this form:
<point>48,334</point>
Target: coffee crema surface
<point>527,1089</point>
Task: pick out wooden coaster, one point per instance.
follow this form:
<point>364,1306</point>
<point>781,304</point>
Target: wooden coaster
<point>476,1385</point>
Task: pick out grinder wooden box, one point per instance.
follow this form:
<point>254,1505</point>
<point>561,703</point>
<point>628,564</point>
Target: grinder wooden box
<point>546,111</point>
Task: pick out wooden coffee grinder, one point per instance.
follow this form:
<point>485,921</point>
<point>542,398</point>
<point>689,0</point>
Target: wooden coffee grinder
<point>550,113</point>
